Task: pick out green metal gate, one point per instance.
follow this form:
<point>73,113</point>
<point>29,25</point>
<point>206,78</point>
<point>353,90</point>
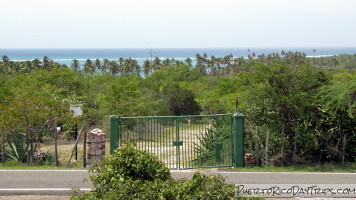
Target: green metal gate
<point>182,142</point>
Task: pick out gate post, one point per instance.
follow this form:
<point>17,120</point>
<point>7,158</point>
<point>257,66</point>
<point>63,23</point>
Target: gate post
<point>238,140</point>
<point>114,133</point>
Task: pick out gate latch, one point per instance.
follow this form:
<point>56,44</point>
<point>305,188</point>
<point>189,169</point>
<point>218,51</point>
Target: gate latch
<point>177,142</point>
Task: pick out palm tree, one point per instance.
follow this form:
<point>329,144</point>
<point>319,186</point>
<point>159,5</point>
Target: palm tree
<point>200,64</point>
<point>89,66</point>
<point>157,64</point>
<point>46,62</point>
<point>98,65</point>
<point>5,59</point>
<point>36,63</point>
<point>75,65</point>
<point>146,67</point>
<point>137,67</point>
<point>105,65</point>
<point>189,62</point>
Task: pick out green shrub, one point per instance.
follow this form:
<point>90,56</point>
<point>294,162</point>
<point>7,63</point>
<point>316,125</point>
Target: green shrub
<point>218,134</point>
<point>128,163</point>
<point>18,147</point>
<point>203,187</point>
<point>133,174</point>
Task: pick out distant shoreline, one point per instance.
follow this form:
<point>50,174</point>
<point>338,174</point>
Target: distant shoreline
<point>66,56</point>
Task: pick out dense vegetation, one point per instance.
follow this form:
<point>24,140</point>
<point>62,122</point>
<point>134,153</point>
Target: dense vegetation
<point>302,109</point>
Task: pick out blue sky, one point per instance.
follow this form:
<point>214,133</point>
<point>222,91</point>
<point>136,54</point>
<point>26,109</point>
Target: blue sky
<point>177,23</point>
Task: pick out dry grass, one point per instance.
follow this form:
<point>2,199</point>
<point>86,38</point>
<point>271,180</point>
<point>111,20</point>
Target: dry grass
<point>65,147</point>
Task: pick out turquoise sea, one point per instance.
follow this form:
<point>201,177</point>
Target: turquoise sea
<point>65,56</point>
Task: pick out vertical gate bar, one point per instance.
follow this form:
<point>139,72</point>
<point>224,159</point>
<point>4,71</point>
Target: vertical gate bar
<point>195,140</point>
<point>232,128</point>
<point>182,136</point>
<point>136,133</point>
<point>163,141</point>
<point>170,140</point>
<point>214,147</point>
<point>202,153</point>
<point>143,137</point>
<point>214,160</point>
<point>202,149</point>
<point>169,143</point>
<point>141,133</point>
<point>177,147</point>
<point>123,131</point>
<point>185,153</point>
<point>174,152</point>
<point>155,137</point>
<point>160,138</point>
<point>189,142</point>
<point>148,121</point>
<point>192,143</point>
<point>151,135</point>
<point>239,140</point>
<point>147,133</point>
<point>114,133</point>
<point>166,140</point>
<point>180,150</point>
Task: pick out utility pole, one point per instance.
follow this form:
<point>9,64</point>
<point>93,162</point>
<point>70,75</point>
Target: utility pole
<point>151,56</point>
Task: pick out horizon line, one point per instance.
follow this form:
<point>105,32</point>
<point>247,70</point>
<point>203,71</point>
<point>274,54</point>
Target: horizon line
<point>324,47</point>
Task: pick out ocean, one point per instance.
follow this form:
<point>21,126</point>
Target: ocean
<point>66,56</point>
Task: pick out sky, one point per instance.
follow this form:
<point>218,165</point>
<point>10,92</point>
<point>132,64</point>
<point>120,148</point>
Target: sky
<point>177,23</point>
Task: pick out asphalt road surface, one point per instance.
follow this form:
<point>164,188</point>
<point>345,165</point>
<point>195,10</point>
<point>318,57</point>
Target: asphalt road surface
<point>60,182</point>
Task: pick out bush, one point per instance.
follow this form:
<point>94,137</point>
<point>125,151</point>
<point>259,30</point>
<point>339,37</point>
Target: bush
<point>210,140</point>
<point>134,174</point>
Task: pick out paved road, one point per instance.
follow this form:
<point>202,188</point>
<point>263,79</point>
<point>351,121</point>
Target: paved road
<point>60,182</point>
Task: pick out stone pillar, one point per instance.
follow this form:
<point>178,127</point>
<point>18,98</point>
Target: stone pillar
<point>95,143</point>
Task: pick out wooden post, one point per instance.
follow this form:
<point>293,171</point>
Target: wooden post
<point>257,149</point>
<point>3,147</point>
<point>266,150</point>
<point>295,145</point>
<point>343,149</point>
<point>75,145</point>
<point>27,147</point>
<point>55,133</point>
<point>85,150</point>
<point>282,145</point>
